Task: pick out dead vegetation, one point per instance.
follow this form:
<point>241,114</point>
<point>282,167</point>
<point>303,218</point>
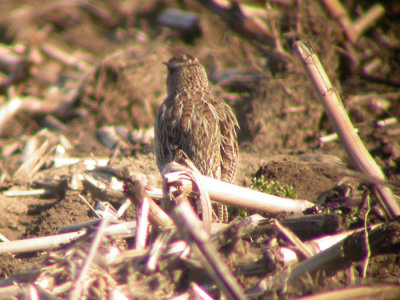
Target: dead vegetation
<point>83,210</point>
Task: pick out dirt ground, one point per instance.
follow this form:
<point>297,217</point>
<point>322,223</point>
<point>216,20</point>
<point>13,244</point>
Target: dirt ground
<point>84,69</point>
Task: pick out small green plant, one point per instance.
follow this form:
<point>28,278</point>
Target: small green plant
<point>269,186</point>
<point>273,187</point>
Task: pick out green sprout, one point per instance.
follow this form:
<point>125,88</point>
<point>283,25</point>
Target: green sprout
<point>273,187</point>
<point>269,186</point>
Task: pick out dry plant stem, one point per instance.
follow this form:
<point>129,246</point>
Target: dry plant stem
<point>198,293</point>
<point>231,15</point>
<point>3,238</point>
<point>231,194</point>
<point>340,120</point>
<point>70,60</point>
<point>122,209</point>
<point>185,177</point>
<point>133,189</point>
<point>387,122</point>
<point>126,229</point>
<point>33,164</point>
<point>30,105</point>
<point>312,225</point>
<point>90,206</point>
<point>127,255</point>
<point>10,291</point>
<point>80,281</point>
<point>157,249</point>
<point>337,11</point>
<point>8,110</point>
<point>29,193</point>
<point>27,291</point>
<point>368,252</point>
<point>26,277</point>
<point>333,258</point>
<point>206,251</point>
<point>236,229</point>
<point>177,19</point>
<point>320,244</point>
<point>353,30</point>
<point>248,10</point>
<point>142,228</point>
<point>368,292</point>
<point>368,19</point>
<point>79,226</point>
<point>63,288</point>
<point>41,243</point>
<point>292,237</point>
<point>370,179</point>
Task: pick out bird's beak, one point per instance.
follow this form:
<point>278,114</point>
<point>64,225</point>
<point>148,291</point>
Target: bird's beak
<point>165,64</point>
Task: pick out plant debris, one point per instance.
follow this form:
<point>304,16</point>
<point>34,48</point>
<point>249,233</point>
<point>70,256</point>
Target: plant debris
<point>84,211</point>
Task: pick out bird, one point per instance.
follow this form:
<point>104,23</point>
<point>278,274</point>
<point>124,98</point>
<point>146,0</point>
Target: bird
<point>191,120</point>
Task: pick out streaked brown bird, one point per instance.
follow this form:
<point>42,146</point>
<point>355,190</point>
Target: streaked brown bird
<point>193,121</point>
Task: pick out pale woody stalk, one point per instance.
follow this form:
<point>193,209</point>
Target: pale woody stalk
<point>334,108</point>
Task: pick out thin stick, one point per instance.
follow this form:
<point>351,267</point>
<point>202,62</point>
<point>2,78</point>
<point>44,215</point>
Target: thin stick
<point>340,120</point>
<point>366,292</point>
<point>206,250</point>
<point>294,239</point>
<point>29,193</point>
<point>26,171</point>
<point>197,292</point>
<point>368,19</point>
<point>366,233</point>
<point>337,11</point>
<point>333,258</point>
<point>157,248</point>
<point>134,190</point>
<point>80,281</point>
<point>41,243</point>
<point>66,58</point>
<point>142,228</point>
<point>88,204</point>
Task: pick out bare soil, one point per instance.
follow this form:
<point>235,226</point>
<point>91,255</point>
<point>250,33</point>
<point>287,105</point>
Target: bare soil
<point>115,77</point>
